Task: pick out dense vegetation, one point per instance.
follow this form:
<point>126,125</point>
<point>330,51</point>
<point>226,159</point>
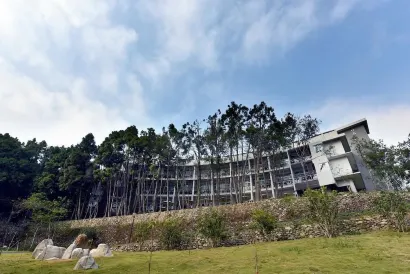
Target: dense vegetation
<point>46,183</point>
<point>37,177</point>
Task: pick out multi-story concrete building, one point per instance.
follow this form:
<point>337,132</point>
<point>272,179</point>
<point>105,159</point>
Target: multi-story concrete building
<point>328,159</point>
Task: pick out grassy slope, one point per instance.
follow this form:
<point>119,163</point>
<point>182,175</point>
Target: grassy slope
<point>381,252</point>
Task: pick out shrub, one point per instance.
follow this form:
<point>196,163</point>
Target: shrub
<point>171,235</point>
<point>212,226</point>
<point>394,207</point>
<point>323,208</point>
<point>263,221</point>
<point>92,235</point>
<point>142,232</point>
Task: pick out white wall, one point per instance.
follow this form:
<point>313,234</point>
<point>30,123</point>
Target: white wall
<point>340,167</point>
<point>334,148</point>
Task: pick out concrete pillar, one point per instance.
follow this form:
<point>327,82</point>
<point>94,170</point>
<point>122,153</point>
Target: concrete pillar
<point>271,178</point>
<point>352,187</point>
<point>193,184</point>
<point>251,179</point>
<point>293,176</point>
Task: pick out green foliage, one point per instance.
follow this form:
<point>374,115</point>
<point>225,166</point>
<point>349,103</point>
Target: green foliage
<point>264,222</point>
<point>389,165</point>
<point>142,232</point>
<point>324,210</point>
<point>171,236</point>
<point>91,232</point>
<point>42,210</point>
<point>394,207</point>
<point>212,225</point>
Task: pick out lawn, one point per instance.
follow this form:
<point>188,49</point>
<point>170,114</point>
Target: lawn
<point>381,252</point>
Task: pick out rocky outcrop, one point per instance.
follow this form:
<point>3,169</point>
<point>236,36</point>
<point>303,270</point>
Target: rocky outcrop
<point>69,251</point>
<point>77,253</point>
<point>51,251</point>
<point>41,246</point>
<point>86,262</point>
<point>102,250</point>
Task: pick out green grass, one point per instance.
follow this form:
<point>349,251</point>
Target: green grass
<point>381,252</point>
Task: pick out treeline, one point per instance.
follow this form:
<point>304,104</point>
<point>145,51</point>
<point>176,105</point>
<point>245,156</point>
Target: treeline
<point>39,177</point>
<point>129,170</point>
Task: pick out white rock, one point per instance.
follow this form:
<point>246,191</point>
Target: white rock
<point>86,252</point>
<point>101,251</point>
<point>51,251</point>
<point>40,247</point>
<point>69,250</point>
<point>86,262</point>
<point>77,253</point>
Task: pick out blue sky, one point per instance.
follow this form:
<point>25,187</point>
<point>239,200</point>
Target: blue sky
<point>72,67</point>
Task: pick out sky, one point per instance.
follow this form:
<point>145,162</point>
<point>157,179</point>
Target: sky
<point>70,67</point>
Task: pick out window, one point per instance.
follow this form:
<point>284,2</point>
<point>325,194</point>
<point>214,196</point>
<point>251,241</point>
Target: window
<point>319,148</point>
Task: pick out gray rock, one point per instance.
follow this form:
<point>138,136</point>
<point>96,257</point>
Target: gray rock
<point>86,262</point>
<point>101,251</point>
<point>40,247</point>
<point>86,252</point>
<point>51,251</point>
<point>77,253</point>
<point>69,250</point>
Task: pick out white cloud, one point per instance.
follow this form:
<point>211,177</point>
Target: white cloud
<point>54,58</point>
<point>69,67</point>
<point>386,121</point>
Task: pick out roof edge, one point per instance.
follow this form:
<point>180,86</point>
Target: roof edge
<point>361,122</point>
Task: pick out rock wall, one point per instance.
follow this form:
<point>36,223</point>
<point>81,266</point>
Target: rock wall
<point>290,212</point>
<point>282,209</point>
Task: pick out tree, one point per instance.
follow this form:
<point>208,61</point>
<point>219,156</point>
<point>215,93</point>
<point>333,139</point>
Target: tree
<point>19,165</point>
<point>44,211</point>
<point>306,128</point>
<point>234,120</point>
<point>194,136</point>
<point>77,173</point>
<point>388,165</point>
<point>259,119</point>
<point>215,142</point>
<point>324,209</point>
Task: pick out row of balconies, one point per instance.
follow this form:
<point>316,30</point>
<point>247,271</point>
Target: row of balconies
<point>286,181</point>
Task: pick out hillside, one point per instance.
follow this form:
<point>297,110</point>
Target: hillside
<point>381,252</point>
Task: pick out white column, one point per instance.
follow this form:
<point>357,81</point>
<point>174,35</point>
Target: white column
<point>271,178</point>
<point>193,184</point>
<point>353,187</point>
<point>250,177</point>
<point>291,172</point>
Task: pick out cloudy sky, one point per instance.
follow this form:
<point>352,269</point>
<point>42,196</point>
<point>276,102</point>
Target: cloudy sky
<point>70,67</point>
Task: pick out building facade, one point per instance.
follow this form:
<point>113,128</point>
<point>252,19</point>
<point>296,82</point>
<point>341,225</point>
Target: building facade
<point>328,159</point>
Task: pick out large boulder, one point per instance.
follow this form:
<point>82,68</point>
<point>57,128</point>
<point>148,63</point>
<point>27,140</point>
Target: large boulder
<point>41,246</point>
<point>51,251</point>
<point>81,241</point>
<point>101,251</point>
<point>69,251</point>
<point>77,253</point>
<point>86,262</point>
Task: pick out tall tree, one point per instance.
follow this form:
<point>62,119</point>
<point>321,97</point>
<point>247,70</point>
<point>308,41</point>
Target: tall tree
<point>215,141</point>
<point>19,165</point>
<point>77,173</point>
<point>195,139</point>
<point>389,165</point>
<point>234,120</point>
<point>259,119</point>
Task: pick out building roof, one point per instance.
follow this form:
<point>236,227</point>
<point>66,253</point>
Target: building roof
<point>361,122</point>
